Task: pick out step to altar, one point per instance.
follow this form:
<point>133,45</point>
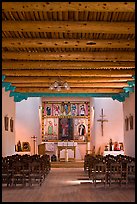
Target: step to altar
<point>67,164</point>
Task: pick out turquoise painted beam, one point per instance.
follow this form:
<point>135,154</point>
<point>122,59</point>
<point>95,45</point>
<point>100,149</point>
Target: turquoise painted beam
<point>20,96</point>
<point>69,94</point>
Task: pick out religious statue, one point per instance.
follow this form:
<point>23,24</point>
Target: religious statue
<point>19,149</point>
<point>110,144</point>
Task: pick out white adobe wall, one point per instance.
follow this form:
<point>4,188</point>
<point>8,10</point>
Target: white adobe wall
<point>129,136</point>
<point>113,110</point>
<point>28,121</point>
<point>8,137</point>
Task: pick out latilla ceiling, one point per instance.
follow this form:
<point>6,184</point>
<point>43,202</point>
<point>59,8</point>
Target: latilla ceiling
<point>91,45</point>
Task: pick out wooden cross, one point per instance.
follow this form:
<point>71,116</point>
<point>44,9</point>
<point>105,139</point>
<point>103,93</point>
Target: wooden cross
<point>34,140</point>
<point>102,120</point>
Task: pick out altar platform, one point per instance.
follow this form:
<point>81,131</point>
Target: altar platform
<point>69,164</point>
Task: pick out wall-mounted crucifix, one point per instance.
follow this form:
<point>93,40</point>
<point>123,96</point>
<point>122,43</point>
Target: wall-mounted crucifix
<point>102,120</point>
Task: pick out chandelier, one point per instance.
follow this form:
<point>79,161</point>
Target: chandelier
<point>58,85</point>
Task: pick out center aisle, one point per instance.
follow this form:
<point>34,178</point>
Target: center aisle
<point>67,185</point>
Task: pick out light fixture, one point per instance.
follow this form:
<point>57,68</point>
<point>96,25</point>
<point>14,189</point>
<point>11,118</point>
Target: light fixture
<point>58,85</point>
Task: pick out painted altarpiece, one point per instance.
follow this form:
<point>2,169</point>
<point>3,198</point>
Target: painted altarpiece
<point>65,121</point>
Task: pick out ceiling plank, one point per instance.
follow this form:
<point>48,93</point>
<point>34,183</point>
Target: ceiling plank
<point>72,90</point>
<point>67,26</point>
<point>63,65</point>
<point>90,56</point>
<point>71,6</point>
<point>41,79</point>
<point>66,43</point>
<point>70,72</point>
<point>91,85</point>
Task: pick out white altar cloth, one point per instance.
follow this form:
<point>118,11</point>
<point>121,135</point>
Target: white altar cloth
<point>115,153</point>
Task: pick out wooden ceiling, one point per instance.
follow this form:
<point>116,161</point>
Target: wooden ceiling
<point>91,45</point>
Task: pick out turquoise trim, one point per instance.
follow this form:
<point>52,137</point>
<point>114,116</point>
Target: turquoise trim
<point>69,94</point>
<point>128,89</point>
<point>5,84</point>
<point>21,96</point>
<point>3,77</point>
<point>131,83</point>
<point>8,86</point>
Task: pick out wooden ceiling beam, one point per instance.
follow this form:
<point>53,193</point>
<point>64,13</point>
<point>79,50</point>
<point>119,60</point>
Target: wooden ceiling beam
<point>67,26</point>
<point>66,43</point>
<point>63,65</point>
<point>76,85</point>
<point>90,56</point>
<point>70,72</point>
<point>69,6</point>
<point>41,79</point>
<point>72,90</point>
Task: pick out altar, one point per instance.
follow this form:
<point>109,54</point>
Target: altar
<point>66,146</point>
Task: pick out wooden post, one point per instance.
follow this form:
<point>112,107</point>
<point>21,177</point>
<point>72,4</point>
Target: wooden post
<point>34,140</point>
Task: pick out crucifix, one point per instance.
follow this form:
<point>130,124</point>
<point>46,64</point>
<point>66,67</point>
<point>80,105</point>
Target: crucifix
<point>34,140</point>
<point>102,120</point>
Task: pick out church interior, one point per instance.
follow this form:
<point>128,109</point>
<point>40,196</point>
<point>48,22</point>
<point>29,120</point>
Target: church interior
<point>68,101</point>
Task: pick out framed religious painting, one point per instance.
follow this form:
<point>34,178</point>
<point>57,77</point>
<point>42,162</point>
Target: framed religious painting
<point>47,109</point>
<point>83,109</point>
<point>50,129</point>
<point>74,109</point>
<point>65,128</point>
<point>80,129</point>
<point>25,146</point>
<point>11,124</point>
<point>56,109</point>
<point>131,121</point>
<point>6,123</point>
<point>126,123</point>
<point>66,108</point>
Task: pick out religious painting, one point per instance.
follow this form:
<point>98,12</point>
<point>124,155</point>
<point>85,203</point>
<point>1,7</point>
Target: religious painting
<point>25,146</point>
<point>11,125</point>
<point>74,109</point>
<point>47,109</point>
<point>131,121</point>
<point>65,129</point>
<point>66,108</point>
<point>80,129</point>
<point>56,109</point>
<point>83,109</point>
<point>126,124</point>
<point>6,122</point>
<point>50,128</point>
